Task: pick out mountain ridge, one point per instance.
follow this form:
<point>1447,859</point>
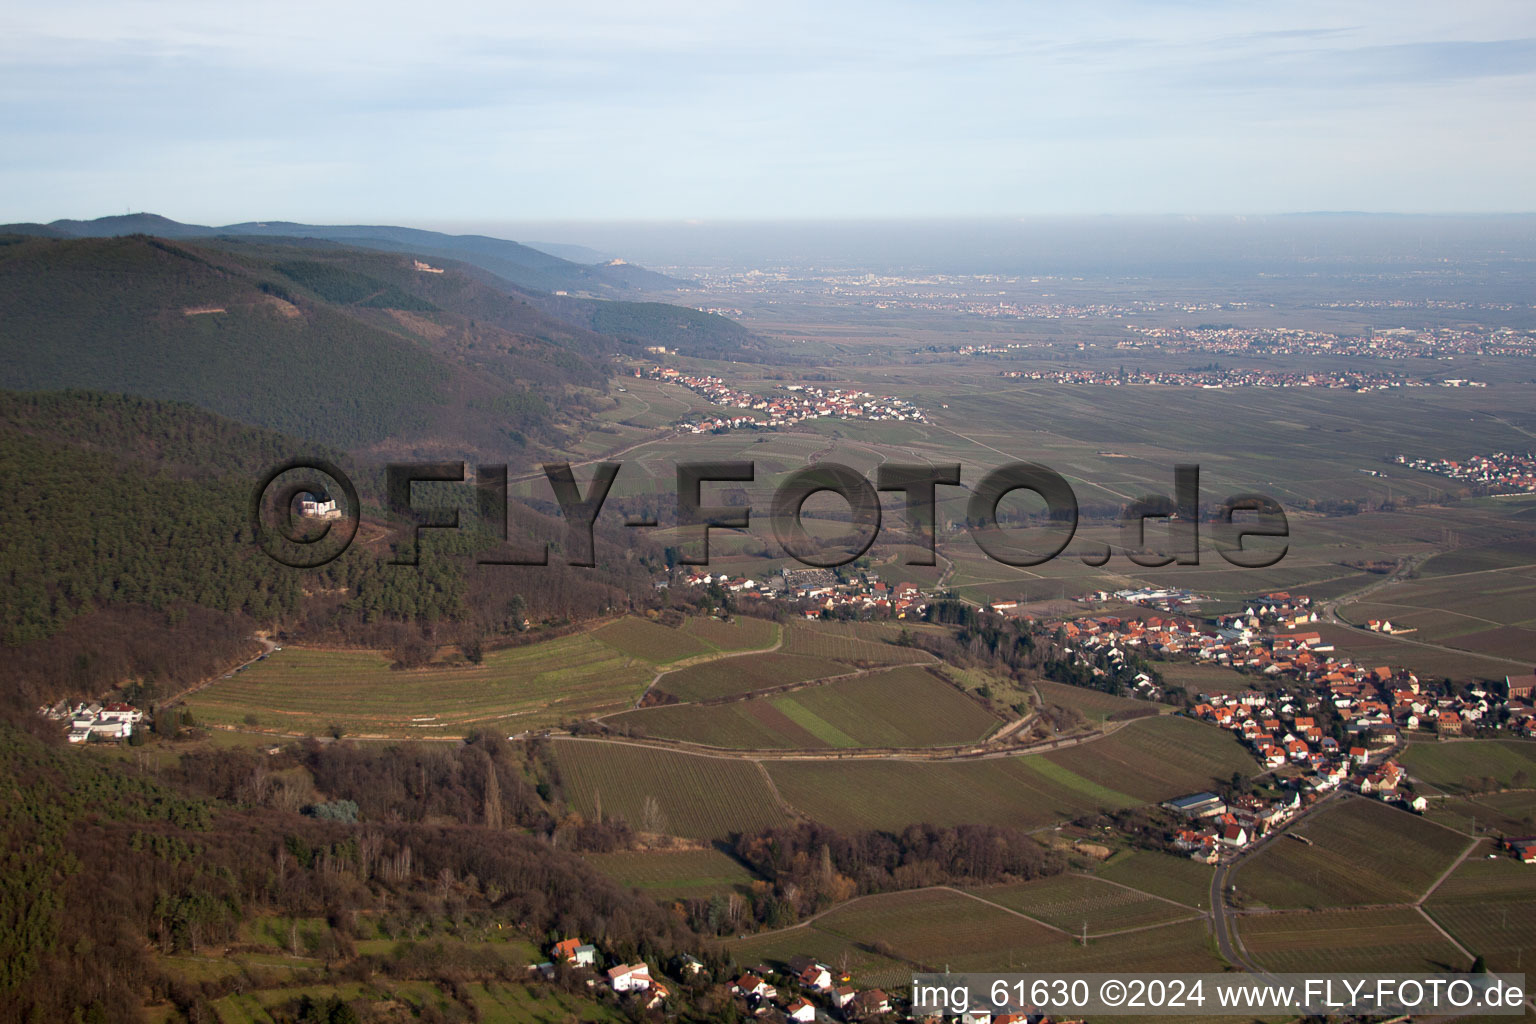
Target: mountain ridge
<point>522,265</point>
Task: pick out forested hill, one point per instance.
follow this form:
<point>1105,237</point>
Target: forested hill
<point>349,347</point>
<point>129,557</point>
<point>337,346</point>
<point>681,328</point>
<point>149,434</point>
<point>522,265</point>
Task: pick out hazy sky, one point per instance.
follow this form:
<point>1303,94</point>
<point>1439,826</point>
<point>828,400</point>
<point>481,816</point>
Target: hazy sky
<point>436,112</point>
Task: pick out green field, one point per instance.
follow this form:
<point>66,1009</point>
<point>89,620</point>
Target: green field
<point>673,874</point>
<point>1161,874</point>
<point>690,795</point>
<point>1024,792</point>
<point>1390,939</point>
<point>306,690</point>
<point>900,707</point>
<point>1490,906</point>
<point>1469,765</point>
<point>651,641</point>
<point>743,633</point>
<point>1362,852</point>
<point>1071,901</point>
<point>1157,758</point>
<point>728,677</point>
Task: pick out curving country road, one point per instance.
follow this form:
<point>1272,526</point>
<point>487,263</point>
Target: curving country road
<point>1405,566</point>
<point>1221,913</point>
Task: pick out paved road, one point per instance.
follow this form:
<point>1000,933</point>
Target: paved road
<point>1221,913</point>
<point>1405,566</point>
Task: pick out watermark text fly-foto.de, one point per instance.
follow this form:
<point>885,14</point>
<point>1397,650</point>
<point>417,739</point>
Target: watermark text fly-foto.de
<point>1237,518</point>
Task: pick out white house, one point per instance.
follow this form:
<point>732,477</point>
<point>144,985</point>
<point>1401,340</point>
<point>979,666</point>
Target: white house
<point>319,508</point>
<point>802,1010</point>
<point>629,977</point>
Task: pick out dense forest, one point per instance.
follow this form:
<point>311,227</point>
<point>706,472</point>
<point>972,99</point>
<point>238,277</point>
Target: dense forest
<point>103,865</point>
<point>137,315</point>
<point>131,557</point>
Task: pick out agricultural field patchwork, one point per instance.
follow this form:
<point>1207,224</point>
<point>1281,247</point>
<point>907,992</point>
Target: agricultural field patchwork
<point>667,791</point>
<point>1361,852</point>
<point>1390,939</point>
<point>1024,792</point>
<point>1071,901</point>
<point>902,707</point>
<point>1161,874</point>
<point>935,928</point>
<point>1157,758</point>
<point>1489,904</point>
<point>310,691</point>
<point>1180,946</point>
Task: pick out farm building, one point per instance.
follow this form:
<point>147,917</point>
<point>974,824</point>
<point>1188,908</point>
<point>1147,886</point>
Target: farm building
<point>1198,805</point>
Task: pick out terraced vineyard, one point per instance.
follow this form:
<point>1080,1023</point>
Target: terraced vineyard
<point>1070,901</point>
<point>310,691</point>
<point>1390,939</point>
<point>728,677</point>
<point>666,791</point>
<point>1158,758</point>
<point>901,707</point>
<point>890,794</point>
<point>1361,852</point>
